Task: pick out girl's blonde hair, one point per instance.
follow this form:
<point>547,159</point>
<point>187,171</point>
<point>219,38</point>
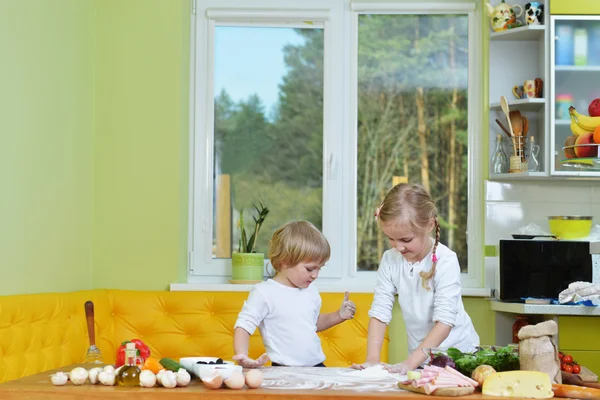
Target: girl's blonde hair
<point>411,205</point>
<point>296,242</point>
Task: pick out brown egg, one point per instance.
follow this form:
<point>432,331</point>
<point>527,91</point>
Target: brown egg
<point>254,378</point>
<point>235,381</point>
<point>213,381</point>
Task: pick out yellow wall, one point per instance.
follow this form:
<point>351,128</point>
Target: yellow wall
<point>589,7</point>
<point>46,125</point>
<point>141,144</point>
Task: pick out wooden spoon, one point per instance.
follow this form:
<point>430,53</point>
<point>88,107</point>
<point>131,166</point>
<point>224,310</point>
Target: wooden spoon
<point>525,125</point>
<point>517,122</point>
<point>504,106</point>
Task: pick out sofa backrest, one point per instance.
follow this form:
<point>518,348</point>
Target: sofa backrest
<point>45,331</point>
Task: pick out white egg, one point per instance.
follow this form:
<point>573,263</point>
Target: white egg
<point>254,378</point>
<point>235,381</point>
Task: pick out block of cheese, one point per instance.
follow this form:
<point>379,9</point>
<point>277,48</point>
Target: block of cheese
<point>527,384</point>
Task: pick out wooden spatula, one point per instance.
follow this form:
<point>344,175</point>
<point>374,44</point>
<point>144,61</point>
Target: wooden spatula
<point>93,354</point>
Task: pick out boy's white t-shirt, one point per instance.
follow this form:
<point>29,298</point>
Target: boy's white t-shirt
<point>421,308</point>
<point>287,320</point>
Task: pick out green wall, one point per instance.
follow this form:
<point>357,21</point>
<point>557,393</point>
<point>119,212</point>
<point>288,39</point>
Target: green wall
<point>141,144</point>
<point>46,123</point>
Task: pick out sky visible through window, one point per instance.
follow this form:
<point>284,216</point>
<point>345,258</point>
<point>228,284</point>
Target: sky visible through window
<point>249,60</point>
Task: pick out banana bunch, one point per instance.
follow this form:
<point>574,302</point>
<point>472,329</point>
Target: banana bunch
<point>581,124</point>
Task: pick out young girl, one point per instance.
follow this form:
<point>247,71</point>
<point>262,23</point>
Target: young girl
<point>286,308</point>
<point>424,274</point>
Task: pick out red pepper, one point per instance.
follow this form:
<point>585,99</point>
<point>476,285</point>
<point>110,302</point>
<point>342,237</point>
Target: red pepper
<point>142,350</point>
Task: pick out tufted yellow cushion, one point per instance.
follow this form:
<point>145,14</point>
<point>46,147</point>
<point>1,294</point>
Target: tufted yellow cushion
<point>45,331</point>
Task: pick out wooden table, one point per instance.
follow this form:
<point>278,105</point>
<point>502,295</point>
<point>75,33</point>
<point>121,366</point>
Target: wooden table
<point>39,387</point>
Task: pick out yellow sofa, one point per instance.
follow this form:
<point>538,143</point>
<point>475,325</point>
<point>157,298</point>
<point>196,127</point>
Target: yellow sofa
<point>39,332</point>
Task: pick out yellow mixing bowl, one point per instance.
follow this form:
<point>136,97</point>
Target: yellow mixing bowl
<point>570,226</point>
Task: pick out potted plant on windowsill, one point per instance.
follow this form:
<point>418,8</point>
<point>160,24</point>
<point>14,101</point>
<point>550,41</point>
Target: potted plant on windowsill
<point>246,265</point>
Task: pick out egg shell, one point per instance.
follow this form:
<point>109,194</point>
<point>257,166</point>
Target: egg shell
<point>235,381</point>
<point>254,378</point>
<point>214,381</point>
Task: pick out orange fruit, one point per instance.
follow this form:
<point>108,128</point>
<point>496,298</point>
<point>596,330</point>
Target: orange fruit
<point>596,137</point>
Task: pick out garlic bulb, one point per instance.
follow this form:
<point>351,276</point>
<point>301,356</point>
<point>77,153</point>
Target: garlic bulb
<point>168,379</point>
<point>93,375</point>
<point>147,378</point>
<point>107,378</point>
<point>59,379</point>
<point>78,375</point>
<point>183,377</point>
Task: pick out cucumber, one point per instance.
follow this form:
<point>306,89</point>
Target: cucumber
<point>170,364</point>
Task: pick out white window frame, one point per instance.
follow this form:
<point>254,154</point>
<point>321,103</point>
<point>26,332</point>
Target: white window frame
<point>339,18</point>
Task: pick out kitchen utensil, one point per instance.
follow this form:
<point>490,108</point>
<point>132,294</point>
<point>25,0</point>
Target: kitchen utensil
<point>525,125</point>
<point>93,354</point>
<point>519,236</point>
<point>570,226</point>
<point>506,111</point>
<point>449,392</point>
<point>503,128</point>
<point>517,125</point>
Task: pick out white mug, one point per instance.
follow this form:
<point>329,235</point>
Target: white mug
<point>534,13</point>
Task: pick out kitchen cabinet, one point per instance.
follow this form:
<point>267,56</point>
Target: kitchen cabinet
<point>575,71</point>
<point>530,52</point>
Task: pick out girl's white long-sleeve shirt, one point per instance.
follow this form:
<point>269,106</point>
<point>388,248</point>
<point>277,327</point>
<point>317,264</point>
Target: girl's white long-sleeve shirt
<point>287,320</point>
<point>422,308</point>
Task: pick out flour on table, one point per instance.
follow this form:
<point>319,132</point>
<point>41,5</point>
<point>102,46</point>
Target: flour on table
<point>314,378</point>
<point>375,372</point>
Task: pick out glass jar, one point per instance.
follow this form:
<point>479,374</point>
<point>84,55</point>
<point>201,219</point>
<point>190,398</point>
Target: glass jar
<point>499,159</point>
<point>520,321</point>
<point>531,153</point>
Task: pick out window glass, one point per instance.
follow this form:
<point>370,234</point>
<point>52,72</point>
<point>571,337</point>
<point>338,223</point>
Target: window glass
<point>412,122</point>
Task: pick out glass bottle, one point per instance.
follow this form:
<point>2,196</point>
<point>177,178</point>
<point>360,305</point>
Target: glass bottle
<point>129,374</point>
<point>533,165</point>
<point>499,159</point>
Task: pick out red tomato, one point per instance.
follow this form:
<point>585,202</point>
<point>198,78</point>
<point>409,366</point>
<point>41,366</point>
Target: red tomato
<point>567,359</point>
<point>568,368</point>
<point>560,355</point>
<point>576,369</point>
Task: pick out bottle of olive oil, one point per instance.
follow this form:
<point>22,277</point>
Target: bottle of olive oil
<point>129,374</point>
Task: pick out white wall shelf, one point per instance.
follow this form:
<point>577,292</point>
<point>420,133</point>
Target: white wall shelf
<point>524,33</point>
<point>523,104</point>
<point>518,176</point>
<point>577,68</point>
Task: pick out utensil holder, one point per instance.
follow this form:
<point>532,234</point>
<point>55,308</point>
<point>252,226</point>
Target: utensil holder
<point>517,159</point>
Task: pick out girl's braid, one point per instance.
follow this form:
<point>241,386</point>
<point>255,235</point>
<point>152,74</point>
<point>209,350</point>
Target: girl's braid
<point>426,276</point>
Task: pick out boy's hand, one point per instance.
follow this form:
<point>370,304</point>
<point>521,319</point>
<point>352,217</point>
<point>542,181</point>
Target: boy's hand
<point>363,365</point>
<point>247,362</point>
<point>400,368</point>
<point>348,308</point>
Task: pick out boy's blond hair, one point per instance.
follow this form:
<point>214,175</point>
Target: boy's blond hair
<point>296,242</point>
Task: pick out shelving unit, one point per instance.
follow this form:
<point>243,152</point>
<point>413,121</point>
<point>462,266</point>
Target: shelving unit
<point>516,55</point>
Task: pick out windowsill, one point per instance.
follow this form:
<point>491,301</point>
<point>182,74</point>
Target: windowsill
<point>227,287</point>
<point>543,309</point>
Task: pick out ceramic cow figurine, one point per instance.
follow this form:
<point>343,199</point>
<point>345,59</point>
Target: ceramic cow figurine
<point>534,13</point>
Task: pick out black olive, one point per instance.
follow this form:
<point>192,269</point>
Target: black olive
<point>219,361</point>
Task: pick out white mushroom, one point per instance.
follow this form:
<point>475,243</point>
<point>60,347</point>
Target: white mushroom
<point>59,379</point>
<point>93,375</point>
<point>78,375</point>
<point>147,378</point>
<point>168,379</point>
<point>183,377</point>
<point>107,378</point>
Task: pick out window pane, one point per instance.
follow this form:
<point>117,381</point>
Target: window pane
<point>268,130</point>
<point>412,121</point>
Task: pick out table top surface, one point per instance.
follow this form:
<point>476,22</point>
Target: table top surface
<point>279,382</point>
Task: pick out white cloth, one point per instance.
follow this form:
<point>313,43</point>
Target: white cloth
<point>421,308</point>
<point>287,320</point>
<point>580,291</point>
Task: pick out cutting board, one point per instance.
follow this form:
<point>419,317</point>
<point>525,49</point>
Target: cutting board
<point>448,392</point>
<point>587,375</point>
